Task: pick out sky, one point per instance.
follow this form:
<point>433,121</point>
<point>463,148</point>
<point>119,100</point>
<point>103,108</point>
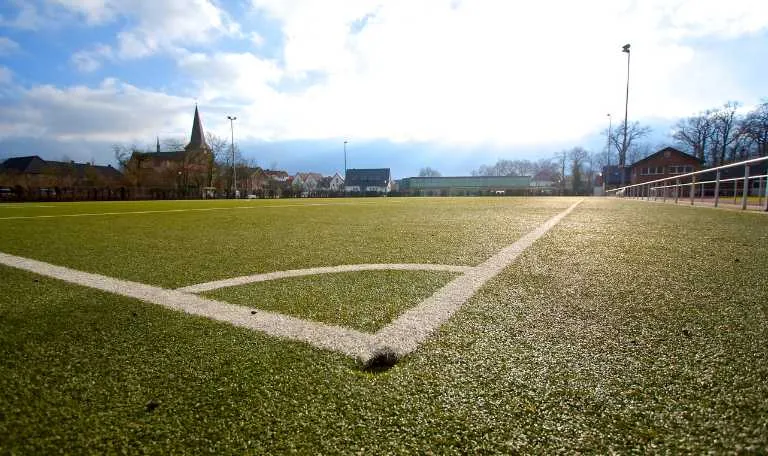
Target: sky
<point>450,84</point>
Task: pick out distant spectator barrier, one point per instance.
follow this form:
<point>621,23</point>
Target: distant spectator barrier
<point>709,186</point>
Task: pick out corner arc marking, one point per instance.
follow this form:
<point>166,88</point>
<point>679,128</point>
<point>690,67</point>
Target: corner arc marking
<point>277,275</point>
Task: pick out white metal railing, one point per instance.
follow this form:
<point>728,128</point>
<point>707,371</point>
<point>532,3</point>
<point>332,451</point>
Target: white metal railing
<point>675,186</point>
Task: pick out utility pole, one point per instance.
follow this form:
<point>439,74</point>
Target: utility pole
<point>232,119</point>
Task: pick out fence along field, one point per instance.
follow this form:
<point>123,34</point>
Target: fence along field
<point>750,188</point>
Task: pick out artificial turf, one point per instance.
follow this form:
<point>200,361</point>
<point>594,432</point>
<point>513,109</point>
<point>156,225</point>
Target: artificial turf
<point>631,328</point>
<point>234,238</point>
<point>364,300</point>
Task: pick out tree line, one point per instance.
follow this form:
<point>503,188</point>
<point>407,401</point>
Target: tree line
<point>716,136</point>
<point>725,134</point>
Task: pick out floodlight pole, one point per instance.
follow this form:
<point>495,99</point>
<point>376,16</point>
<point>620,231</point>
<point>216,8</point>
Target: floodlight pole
<point>623,157</point>
<point>232,119</point>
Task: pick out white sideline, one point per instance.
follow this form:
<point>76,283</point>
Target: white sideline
<point>199,209</point>
<point>414,326</point>
<point>347,341</point>
<point>403,335</point>
<point>243,280</point>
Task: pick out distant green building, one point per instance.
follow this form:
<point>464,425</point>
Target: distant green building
<point>465,185</point>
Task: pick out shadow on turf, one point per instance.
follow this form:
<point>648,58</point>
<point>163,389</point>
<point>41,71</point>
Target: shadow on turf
<point>381,360</point>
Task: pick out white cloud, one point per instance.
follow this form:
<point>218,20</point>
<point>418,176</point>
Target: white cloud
<point>156,26</point>
<point>256,39</point>
<point>6,75</point>
<point>114,111</point>
<point>472,71</point>
<point>8,46</point>
<point>458,72</point>
<point>90,59</point>
<point>27,18</point>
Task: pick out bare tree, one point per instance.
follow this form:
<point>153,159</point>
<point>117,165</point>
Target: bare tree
<point>755,128</point>
<point>562,156</point>
<point>635,132</point>
<point>724,122</point>
<point>695,134</point>
<point>173,144</point>
<point>220,147</point>
<point>638,151</point>
<point>129,159</point>
<point>590,167</point>
<point>577,155</point>
<point>546,170</point>
<point>122,155</point>
<point>429,172</point>
<point>507,168</point>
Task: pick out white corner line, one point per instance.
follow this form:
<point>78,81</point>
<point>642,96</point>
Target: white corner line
<point>347,341</point>
<point>415,325</point>
<point>403,335</point>
<point>243,280</point>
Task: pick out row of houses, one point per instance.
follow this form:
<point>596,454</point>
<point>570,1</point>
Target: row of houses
<point>192,173</point>
<point>32,178</point>
<point>167,175</point>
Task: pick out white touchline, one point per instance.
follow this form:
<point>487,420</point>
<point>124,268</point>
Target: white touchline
<point>414,326</point>
<point>348,341</point>
<point>194,209</point>
<point>403,335</point>
<point>235,281</point>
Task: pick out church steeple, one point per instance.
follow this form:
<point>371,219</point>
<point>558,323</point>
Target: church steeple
<point>197,140</point>
<point>158,144</point>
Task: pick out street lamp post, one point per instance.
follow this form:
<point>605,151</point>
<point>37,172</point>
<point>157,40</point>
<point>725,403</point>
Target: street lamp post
<point>623,157</point>
<point>232,119</point>
<point>608,145</point>
<point>345,158</point>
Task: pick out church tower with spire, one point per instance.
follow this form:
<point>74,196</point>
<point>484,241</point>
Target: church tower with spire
<point>176,173</point>
<point>197,139</point>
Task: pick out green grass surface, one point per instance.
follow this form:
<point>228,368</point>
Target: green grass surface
<point>364,300</point>
<point>629,328</point>
<point>173,249</point>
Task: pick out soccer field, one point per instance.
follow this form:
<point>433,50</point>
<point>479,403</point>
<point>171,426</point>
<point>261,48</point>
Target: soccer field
<point>522,325</point>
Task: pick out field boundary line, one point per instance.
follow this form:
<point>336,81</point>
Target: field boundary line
<point>415,325</point>
<point>263,277</point>
<point>347,341</point>
<point>404,335</point>
<point>193,209</point>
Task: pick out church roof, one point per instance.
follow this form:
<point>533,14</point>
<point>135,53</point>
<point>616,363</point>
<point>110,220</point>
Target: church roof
<point>197,140</point>
<point>175,155</point>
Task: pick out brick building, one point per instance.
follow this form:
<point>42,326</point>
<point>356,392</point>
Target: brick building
<point>667,162</point>
<point>173,174</point>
